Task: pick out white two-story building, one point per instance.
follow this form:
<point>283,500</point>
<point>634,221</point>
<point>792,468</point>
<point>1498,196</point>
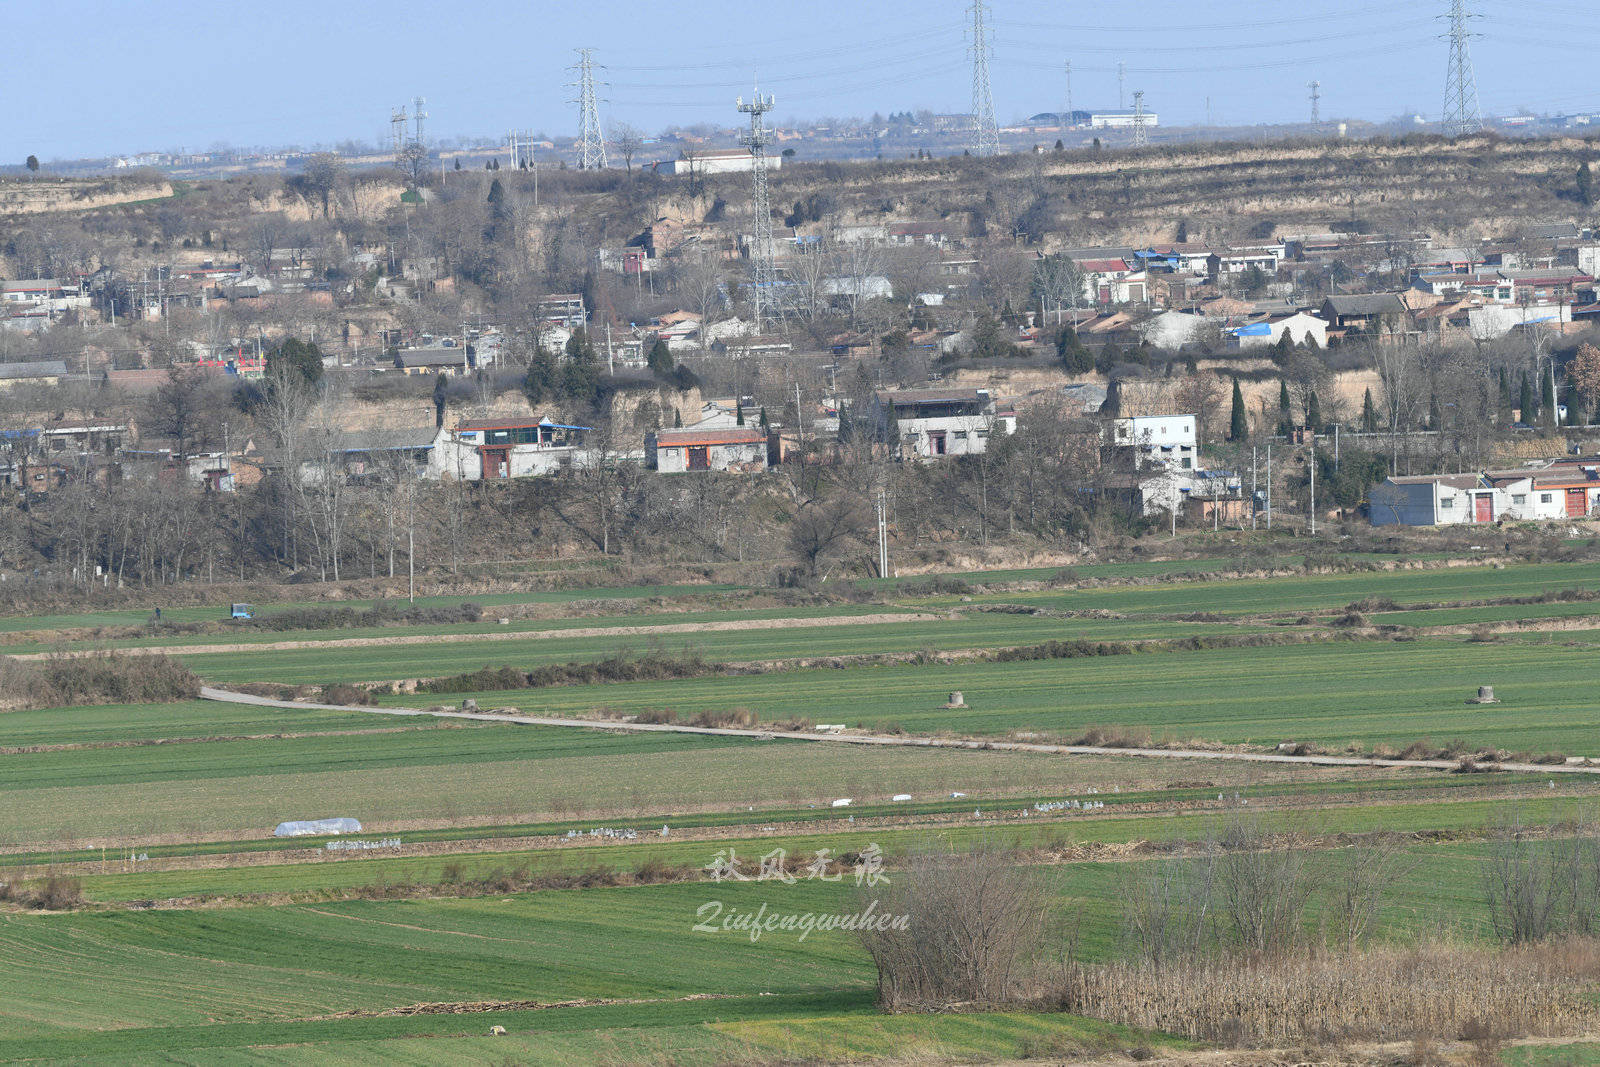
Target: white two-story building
<point>1168,442</point>
<point>940,422</point>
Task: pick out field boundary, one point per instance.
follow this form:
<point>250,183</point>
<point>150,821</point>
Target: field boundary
<point>793,623</point>
<point>229,696</point>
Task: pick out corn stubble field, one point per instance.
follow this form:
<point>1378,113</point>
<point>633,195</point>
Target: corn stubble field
<point>1158,907</point>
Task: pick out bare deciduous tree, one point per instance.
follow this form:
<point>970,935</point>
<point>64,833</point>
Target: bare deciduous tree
<point>973,920</point>
<point>824,527</point>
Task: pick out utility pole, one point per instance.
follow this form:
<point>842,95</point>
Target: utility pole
<point>1316,102</point>
<point>1141,137</point>
<point>1066,118</point>
<point>1313,483</point>
<point>1460,115</point>
<point>985,130</point>
<point>1252,487</point>
<point>1269,486</point>
<point>763,269</point>
<point>591,142</point>
<point>883,534</point>
<point>1122,80</point>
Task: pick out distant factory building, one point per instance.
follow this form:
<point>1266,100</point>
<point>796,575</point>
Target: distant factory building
<point>1121,119</point>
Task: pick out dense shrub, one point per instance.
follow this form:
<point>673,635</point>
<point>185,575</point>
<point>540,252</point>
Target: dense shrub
<point>110,678</point>
<point>617,668</point>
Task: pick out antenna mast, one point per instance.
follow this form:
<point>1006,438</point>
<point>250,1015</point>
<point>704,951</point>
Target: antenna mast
<point>417,116</point>
<point>763,271</point>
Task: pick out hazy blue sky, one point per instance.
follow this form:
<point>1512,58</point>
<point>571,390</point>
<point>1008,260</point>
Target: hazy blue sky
<point>112,76</point>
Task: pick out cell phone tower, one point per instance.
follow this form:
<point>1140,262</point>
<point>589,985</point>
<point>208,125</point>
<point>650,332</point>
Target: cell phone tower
<point>1460,114</point>
<point>591,142</point>
<point>1141,136</point>
<point>417,116</point>
<point>763,270</point>
<point>985,130</point>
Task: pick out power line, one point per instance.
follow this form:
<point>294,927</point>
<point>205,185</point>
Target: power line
<point>1134,27</point>
<point>813,75</point>
<point>1031,42</point>
<point>985,130</point>
<point>591,142</point>
<point>1460,115</point>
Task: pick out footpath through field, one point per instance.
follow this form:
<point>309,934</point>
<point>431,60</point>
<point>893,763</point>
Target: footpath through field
<point>229,696</point>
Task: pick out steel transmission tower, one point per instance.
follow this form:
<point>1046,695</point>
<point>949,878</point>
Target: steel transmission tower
<point>985,130</point>
<point>1066,118</point>
<point>1460,84</point>
<point>763,271</point>
<point>1122,80</point>
<point>1141,136</point>
<point>1316,102</point>
<point>591,142</point>
<point>397,130</point>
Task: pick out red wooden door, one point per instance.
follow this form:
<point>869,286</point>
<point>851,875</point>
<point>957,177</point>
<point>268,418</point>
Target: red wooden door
<point>1575,503</point>
<point>1485,508</point>
<point>699,457</point>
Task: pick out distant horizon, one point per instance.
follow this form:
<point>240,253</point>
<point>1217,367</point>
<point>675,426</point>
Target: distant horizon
<point>135,78</point>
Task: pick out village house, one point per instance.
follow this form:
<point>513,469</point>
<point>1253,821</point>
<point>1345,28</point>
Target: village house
<point>380,455</point>
<point>1301,328</point>
<point>443,360</point>
<point>1563,490</point>
<point>940,422</point>
<point>490,449</point>
<point>1362,311</point>
<point>564,309</point>
<point>1436,500</point>
<point>39,372</point>
<point>709,448</point>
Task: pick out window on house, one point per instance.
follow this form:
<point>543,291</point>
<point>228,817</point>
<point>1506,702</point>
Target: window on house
<point>982,434</point>
<point>1519,498</point>
<point>1544,498</point>
<point>1444,503</point>
<point>960,435</point>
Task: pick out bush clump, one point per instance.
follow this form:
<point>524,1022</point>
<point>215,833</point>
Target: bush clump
<point>104,678</point>
<point>617,668</point>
